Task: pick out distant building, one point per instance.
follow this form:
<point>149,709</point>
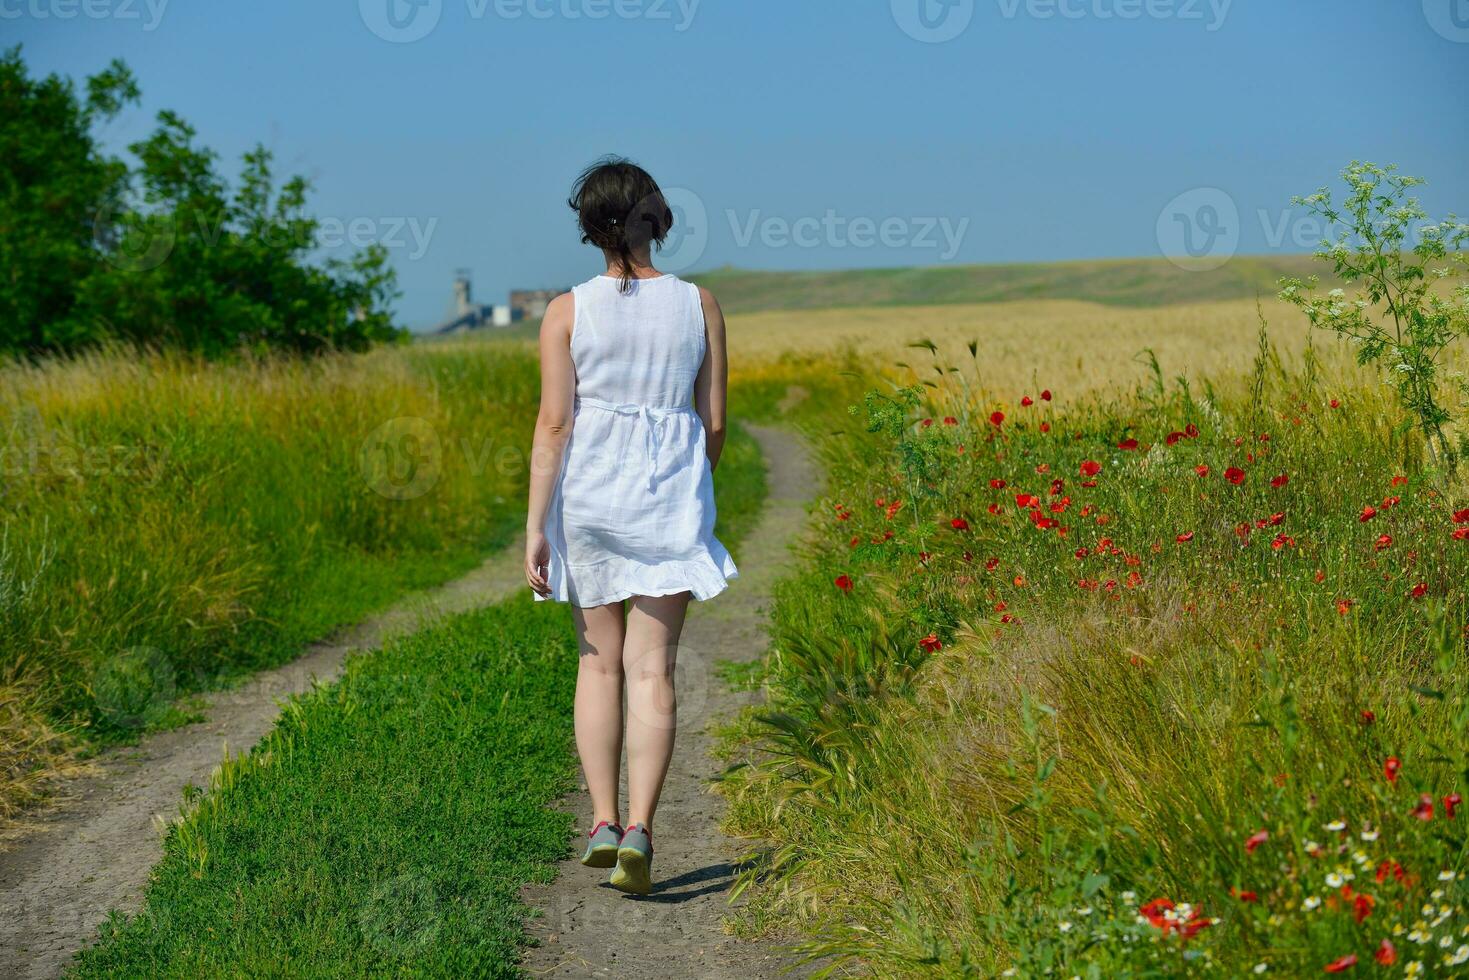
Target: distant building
<point>469,315</point>
<point>466,314</point>
<point>530,304</point>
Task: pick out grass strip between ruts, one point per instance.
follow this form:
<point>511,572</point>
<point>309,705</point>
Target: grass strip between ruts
<point>389,820</point>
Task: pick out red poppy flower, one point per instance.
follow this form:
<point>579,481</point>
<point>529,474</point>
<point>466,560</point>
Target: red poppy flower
<point>1367,514</point>
<point>996,418</point>
<point>1191,430</point>
<point>1451,804</point>
<point>1185,537</point>
<point>1090,468</point>
<point>1045,427</point>
<point>959,524</point>
<point>931,643</point>
<point>1046,395</point>
<point>1368,716</point>
<point>1255,840</point>
<point>997,484</point>
<point>1342,606</point>
<point>1275,519</point>
<point>1245,896</point>
<point>1025,402</point>
<point>1235,475</point>
<point>1461,516</point>
<point>854,542</point>
<point>1391,502</point>
<point>1282,541</point>
<point>1279,481</point>
<point>1424,809</point>
<point>1081,552</point>
<point>844,582</point>
<point>1387,953</point>
<point>992,564</point>
<point>1385,868</point>
<point>1362,907</point>
<point>1400,481</point>
<point>1343,964</point>
<point>926,423</point>
<point>1128,444</point>
<point>950,420</point>
<point>1418,591</point>
<point>1172,438</point>
<point>1334,403</point>
<point>1383,542</point>
<point>1391,766</point>
<point>1202,469</point>
<point>1460,534</point>
<point>1154,912</point>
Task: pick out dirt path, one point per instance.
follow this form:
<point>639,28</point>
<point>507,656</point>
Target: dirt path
<point>590,930</point>
<point>93,854</point>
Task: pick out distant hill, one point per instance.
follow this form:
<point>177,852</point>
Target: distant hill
<point>1116,282</point>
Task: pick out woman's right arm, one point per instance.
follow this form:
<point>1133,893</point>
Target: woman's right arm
<point>553,429</point>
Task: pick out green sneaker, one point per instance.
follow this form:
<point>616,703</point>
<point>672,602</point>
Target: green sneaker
<point>602,845</point>
<point>634,872</point>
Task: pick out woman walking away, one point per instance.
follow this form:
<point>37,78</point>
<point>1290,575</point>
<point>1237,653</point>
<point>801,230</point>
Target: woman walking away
<point>621,517</point>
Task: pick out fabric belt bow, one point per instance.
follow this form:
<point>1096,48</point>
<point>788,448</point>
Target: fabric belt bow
<point>652,418</point>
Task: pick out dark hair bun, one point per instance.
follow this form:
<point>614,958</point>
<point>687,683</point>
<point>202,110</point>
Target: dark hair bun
<point>620,207</point>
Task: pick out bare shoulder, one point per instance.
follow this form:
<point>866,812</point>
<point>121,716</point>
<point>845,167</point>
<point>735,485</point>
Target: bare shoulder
<point>560,313</point>
<point>711,305</point>
<point>713,315</point>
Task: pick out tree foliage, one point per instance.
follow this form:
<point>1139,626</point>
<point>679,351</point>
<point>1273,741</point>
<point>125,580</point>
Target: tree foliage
<point>163,251</point>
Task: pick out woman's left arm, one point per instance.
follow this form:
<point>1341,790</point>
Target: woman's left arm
<point>711,386</point>
<point>553,429</point>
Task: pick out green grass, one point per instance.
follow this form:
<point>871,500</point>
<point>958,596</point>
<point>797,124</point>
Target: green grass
<point>1117,282</point>
<point>386,824</point>
<point>171,524</point>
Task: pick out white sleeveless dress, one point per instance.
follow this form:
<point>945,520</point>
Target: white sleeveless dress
<point>633,509</point>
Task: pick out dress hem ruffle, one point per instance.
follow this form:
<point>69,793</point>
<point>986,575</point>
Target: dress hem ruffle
<point>618,578</point>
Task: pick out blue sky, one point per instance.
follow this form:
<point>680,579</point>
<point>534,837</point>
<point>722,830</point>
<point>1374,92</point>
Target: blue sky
<point>800,133</point>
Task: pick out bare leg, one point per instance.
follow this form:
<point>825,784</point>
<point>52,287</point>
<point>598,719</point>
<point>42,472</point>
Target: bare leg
<point>599,634</point>
<point>650,650</point>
